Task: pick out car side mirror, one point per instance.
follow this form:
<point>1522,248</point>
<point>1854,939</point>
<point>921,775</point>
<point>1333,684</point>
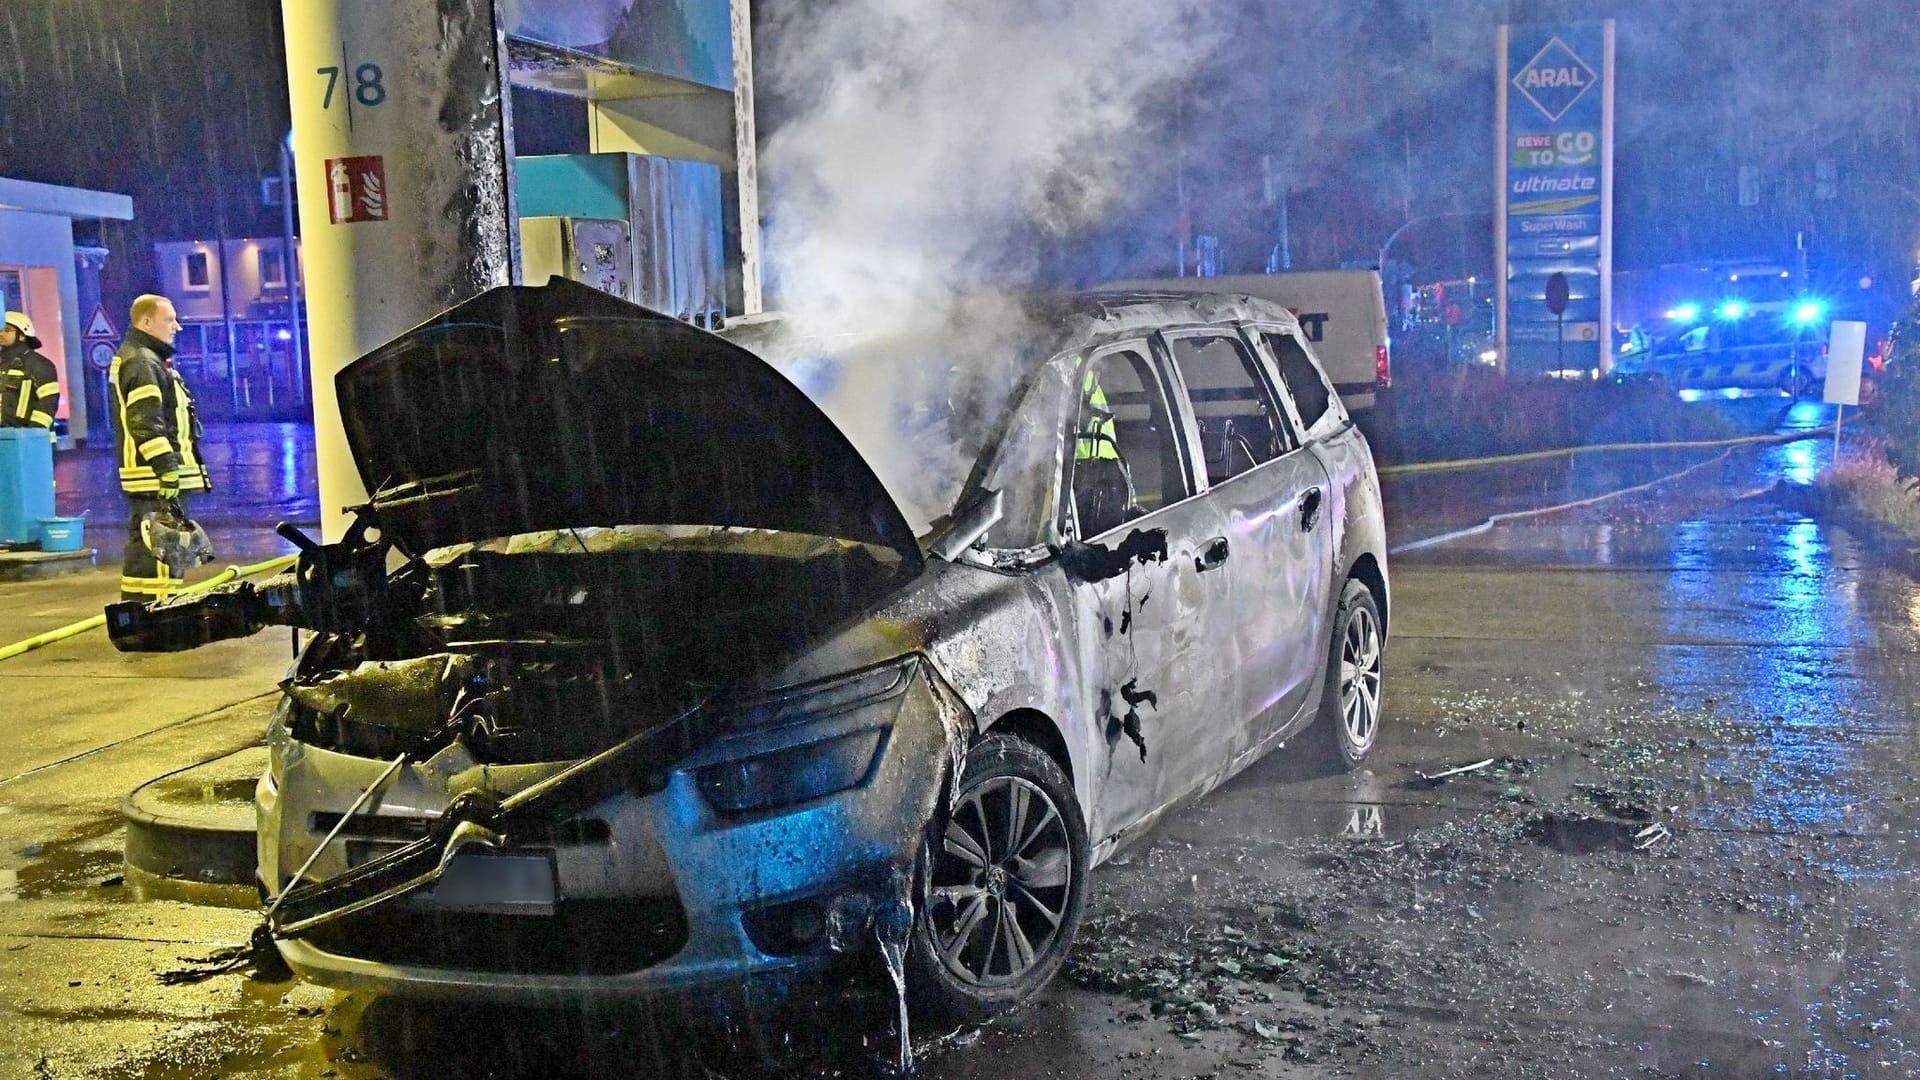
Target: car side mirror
<point>969,525</point>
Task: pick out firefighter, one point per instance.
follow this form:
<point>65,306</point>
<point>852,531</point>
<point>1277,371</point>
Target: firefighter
<point>29,385</point>
<point>155,437</point>
<point>1095,439</point>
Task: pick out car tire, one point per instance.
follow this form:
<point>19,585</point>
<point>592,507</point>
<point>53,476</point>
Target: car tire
<point>1350,700</point>
<point>1002,885</point>
<point>1792,383</point>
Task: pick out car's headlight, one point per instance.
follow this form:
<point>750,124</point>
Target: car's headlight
<point>799,773</point>
<point>822,698</point>
<point>792,774</point>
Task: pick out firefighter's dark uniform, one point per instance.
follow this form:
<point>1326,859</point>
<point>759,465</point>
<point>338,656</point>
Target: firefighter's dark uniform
<point>29,385</point>
<point>156,442</point>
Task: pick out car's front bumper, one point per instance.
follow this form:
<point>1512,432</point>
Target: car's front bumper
<point>655,894</point>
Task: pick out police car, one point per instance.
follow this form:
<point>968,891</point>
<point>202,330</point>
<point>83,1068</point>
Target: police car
<point>1758,335</point>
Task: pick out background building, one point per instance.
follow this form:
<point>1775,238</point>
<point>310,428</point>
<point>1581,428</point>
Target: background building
<point>44,273</point>
<point>240,347</point>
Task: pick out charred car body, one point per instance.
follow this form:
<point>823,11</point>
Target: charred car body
<point>632,679</point>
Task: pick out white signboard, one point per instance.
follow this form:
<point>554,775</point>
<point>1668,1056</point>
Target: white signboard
<point>1845,354</point>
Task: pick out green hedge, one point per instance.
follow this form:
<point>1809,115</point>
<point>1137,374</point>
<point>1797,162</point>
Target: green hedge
<point>1896,402</point>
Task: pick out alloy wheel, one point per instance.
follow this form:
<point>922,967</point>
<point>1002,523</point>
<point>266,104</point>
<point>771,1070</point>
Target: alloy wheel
<point>1360,677</point>
<point>1001,882</point>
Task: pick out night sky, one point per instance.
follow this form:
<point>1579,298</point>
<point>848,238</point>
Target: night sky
<point>160,100</point>
<point>1382,105</point>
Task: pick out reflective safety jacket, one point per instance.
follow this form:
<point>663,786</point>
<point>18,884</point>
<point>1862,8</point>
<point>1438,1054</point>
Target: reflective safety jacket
<point>1095,439</point>
<point>155,433</point>
<point>29,388</point>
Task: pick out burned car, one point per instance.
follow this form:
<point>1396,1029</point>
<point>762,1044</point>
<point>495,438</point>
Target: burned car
<point>632,678</point>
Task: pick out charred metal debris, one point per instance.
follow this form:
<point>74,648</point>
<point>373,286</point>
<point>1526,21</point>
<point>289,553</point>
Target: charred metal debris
<point>1130,721</point>
<point>1089,562</point>
<point>455,648</point>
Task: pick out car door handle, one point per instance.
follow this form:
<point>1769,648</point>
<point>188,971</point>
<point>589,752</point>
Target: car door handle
<point>1212,555</point>
<point>1310,509</point>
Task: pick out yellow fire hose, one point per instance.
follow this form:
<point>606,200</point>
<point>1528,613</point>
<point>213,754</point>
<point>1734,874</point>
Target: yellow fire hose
<point>275,565</point>
<point>1730,446</point>
<point>1599,448</point>
<point>271,566</point>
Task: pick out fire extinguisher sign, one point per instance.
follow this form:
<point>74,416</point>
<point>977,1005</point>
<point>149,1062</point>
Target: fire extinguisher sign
<point>356,189</point>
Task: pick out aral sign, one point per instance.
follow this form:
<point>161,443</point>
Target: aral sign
<point>1555,79</point>
<point>1555,201</point>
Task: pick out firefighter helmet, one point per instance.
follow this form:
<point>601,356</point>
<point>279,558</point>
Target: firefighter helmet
<point>19,321</point>
<point>176,541</point>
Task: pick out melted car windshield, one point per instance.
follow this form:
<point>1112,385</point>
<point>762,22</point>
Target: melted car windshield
<point>921,401</point>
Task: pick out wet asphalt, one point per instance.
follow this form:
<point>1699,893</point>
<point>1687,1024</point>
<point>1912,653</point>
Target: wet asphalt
<point>1690,854</point>
<point>263,475</point>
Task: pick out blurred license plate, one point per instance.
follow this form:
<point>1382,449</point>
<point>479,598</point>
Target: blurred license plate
<point>517,884</point>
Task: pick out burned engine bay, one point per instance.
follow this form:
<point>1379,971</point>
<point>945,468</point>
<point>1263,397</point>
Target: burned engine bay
<point>619,649</point>
<point>553,646</point>
<point>539,647</point>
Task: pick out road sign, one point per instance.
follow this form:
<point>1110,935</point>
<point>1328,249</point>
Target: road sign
<point>101,327</point>
<point>1845,351</point>
<point>1558,293</point>
<point>100,355</point>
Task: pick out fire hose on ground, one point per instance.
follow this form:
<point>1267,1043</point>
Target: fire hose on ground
<point>1418,467</point>
<point>1726,446</point>
<point>231,573</point>
<point>271,566</point>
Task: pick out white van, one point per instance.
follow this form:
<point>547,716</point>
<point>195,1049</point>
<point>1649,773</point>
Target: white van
<point>1344,314</point>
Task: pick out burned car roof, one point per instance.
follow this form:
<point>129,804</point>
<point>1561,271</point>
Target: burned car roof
<point>529,409</point>
<point>928,393</point>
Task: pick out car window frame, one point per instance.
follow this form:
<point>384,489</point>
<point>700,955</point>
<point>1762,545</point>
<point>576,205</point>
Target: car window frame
<point>1029,396</point>
<point>1173,399</point>
<point>1257,331</point>
<point>1264,375</point>
<point>1253,333</point>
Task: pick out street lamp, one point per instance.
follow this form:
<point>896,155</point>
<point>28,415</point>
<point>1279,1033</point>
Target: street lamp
<point>290,269</point>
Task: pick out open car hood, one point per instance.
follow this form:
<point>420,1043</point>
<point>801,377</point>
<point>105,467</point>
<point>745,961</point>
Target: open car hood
<point>553,407</point>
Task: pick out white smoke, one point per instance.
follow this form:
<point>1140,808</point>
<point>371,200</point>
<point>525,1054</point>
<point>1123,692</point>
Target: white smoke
<point>930,146</point>
<point>931,136</point>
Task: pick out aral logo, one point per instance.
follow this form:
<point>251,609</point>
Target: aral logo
<point>1554,79</point>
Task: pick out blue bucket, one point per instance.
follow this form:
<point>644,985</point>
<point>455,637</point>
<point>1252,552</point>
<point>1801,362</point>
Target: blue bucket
<point>62,533</point>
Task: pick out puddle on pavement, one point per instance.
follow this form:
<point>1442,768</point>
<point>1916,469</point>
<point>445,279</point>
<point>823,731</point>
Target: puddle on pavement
<point>227,782</point>
<point>1301,820</point>
<point>66,872</point>
<point>843,1027</point>
<point>205,794</point>
<point>88,861</point>
<point>1385,805</point>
